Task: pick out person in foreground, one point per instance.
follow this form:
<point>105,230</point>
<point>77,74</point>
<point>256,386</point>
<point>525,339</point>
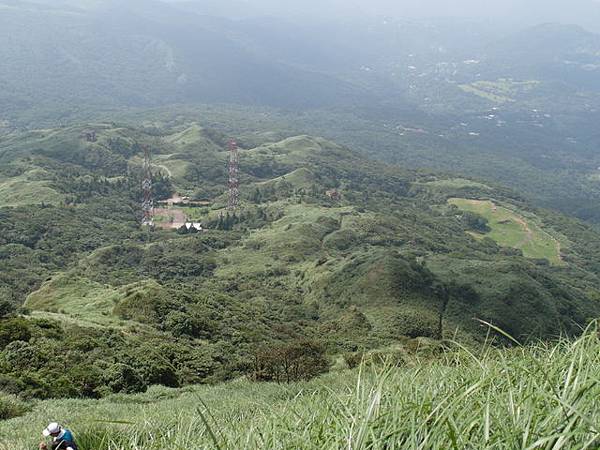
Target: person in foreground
<point>62,439</point>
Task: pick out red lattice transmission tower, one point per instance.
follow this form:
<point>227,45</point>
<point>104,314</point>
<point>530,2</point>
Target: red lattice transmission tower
<point>147,200</point>
<point>234,176</point>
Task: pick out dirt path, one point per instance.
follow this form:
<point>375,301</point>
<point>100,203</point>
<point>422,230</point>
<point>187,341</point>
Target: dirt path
<point>529,237</point>
<point>529,234</point>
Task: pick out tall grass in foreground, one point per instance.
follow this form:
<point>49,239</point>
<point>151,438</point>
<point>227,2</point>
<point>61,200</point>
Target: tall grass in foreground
<point>543,396</point>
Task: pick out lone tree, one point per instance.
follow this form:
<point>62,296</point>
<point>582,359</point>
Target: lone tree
<point>300,360</point>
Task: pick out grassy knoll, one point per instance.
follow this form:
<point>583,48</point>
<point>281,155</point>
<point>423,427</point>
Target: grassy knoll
<point>535,397</point>
<point>285,242</point>
<point>389,260</point>
<point>500,91</point>
<point>300,178</point>
<point>30,188</point>
<point>191,136</point>
<point>77,297</point>
<point>82,301</point>
<point>174,168</point>
<point>456,183</point>
<point>510,229</point>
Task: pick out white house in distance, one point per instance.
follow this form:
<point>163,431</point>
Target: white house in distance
<point>195,225</point>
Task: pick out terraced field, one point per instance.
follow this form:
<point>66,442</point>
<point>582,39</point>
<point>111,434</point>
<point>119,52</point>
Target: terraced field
<point>510,229</point>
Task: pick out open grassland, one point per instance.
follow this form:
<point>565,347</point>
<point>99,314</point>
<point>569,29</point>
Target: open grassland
<point>190,136</point>
<point>30,188</point>
<point>173,167</point>
<point>510,229</point>
<point>300,178</point>
<point>500,91</point>
<point>536,397</point>
<point>456,183</point>
<point>79,298</point>
<point>83,302</point>
<point>286,242</point>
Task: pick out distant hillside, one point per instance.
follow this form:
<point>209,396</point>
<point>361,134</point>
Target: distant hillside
<point>101,54</point>
<point>519,107</point>
<point>564,54</point>
<point>326,246</point>
<point>108,54</point>
<point>384,402</point>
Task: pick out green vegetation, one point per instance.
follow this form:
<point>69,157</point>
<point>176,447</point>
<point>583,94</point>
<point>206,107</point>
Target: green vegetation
<point>534,397</point>
<point>518,154</point>
<point>79,299</point>
<point>11,406</point>
<point>501,91</point>
<point>509,229</point>
<point>297,272</point>
<point>456,183</point>
<point>369,295</point>
<point>515,113</point>
<point>33,187</point>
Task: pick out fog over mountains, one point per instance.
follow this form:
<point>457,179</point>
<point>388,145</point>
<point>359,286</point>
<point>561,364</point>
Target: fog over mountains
<point>140,53</point>
<point>512,99</point>
<point>585,13</point>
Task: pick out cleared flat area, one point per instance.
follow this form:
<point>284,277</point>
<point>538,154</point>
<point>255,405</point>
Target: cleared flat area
<point>510,229</point>
<point>500,91</point>
<point>170,218</point>
<point>457,183</point>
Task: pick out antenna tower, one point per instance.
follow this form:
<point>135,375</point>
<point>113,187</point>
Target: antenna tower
<point>234,176</point>
<point>147,202</point>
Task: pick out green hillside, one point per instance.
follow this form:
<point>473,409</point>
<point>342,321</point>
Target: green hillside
<point>538,397</point>
<point>509,229</point>
<point>515,110</point>
<point>413,260</point>
<point>386,260</point>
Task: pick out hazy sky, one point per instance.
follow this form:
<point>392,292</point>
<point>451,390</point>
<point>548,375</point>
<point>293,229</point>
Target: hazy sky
<point>582,12</point>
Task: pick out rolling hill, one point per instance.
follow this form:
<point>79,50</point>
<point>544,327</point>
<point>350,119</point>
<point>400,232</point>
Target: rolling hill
<point>396,274</point>
<point>387,259</point>
<point>449,95</point>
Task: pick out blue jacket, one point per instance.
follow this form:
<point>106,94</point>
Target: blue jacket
<point>64,440</point>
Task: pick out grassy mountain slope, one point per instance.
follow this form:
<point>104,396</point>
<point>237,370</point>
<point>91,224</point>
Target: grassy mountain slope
<point>511,230</point>
<point>387,260</point>
<point>514,398</point>
<point>541,164</point>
